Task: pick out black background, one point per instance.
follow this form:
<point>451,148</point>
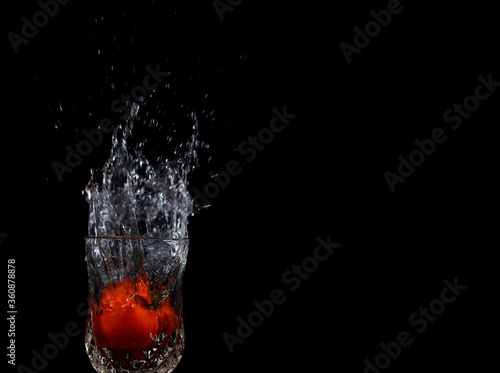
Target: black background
<point>322,176</point>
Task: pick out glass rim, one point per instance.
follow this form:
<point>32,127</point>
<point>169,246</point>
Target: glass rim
<point>131,238</point>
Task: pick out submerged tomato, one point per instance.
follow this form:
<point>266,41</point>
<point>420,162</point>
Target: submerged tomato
<point>125,324</point>
<point>127,330</point>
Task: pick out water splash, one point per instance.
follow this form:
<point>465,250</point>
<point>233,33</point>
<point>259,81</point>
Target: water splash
<point>130,195</point>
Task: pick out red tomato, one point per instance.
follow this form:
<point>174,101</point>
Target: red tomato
<point>124,323</point>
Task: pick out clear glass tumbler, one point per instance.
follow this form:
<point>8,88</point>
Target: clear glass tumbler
<point>135,319</point>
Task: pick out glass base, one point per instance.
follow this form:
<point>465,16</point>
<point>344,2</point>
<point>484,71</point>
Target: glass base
<point>163,358</point>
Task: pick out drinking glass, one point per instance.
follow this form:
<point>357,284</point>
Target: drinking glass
<point>135,321</point>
